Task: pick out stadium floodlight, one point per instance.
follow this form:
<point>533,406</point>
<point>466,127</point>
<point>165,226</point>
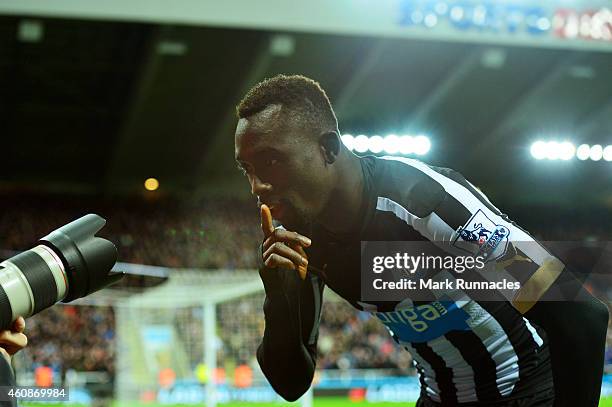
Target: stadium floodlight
<point>553,150</point>
<point>361,143</point>
<point>566,151</point>
<point>391,144</point>
<point>348,141</point>
<point>538,150</point>
<point>607,153</point>
<point>421,145</point>
<point>406,145</point>
<point>596,152</point>
<point>583,152</point>
<point>375,144</point>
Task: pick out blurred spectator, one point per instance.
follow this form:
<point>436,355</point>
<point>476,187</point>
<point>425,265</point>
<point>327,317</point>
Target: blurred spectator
<point>71,337</point>
<point>216,234</point>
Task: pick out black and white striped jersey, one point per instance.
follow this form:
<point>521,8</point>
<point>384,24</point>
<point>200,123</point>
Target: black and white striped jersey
<point>464,350</point>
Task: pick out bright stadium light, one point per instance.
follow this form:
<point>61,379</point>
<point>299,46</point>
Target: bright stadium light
<point>406,145</point>
<point>348,141</point>
<point>566,151</point>
<point>375,144</point>
<point>421,145</point>
<point>391,144</point>
<point>538,150</point>
<point>583,152</point>
<point>607,153</point>
<point>361,143</point>
<point>596,152</point>
<point>553,150</point>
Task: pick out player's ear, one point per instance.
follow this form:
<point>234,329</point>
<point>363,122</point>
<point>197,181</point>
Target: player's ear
<point>330,146</point>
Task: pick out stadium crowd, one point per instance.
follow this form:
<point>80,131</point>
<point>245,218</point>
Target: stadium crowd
<point>214,234</point>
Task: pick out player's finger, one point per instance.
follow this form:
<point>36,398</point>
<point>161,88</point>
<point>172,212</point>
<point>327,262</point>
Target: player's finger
<point>286,252</point>
<point>299,249</point>
<point>275,261</point>
<point>302,268</point>
<point>290,238</point>
<point>287,236</point>
<point>266,221</point>
<point>270,240</point>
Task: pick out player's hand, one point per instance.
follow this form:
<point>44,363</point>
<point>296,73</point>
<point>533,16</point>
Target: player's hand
<point>14,340</point>
<point>282,248</point>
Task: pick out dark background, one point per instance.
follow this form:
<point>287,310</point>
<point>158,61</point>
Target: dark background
<point>97,107</point>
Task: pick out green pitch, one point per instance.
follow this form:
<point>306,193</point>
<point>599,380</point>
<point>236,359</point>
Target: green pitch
<point>318,402</point>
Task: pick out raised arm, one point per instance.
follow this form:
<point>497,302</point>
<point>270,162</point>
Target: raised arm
<point>292,308</point>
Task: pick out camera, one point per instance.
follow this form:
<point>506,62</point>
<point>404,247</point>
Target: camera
<point>69,263</point>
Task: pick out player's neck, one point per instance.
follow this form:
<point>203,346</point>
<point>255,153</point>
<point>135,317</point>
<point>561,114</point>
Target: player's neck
<point>343,209</point>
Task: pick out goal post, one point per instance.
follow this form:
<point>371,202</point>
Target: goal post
<point>193,340</point>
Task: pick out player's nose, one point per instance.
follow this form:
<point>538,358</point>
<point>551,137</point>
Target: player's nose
<point>258,187</point>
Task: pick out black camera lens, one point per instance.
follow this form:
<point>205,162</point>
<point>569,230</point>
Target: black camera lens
<point>70,263</point>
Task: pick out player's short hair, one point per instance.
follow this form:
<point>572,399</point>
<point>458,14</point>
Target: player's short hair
<point>302,96</point>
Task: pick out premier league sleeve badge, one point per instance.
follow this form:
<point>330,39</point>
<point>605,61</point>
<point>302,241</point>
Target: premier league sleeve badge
<point>480,236</point>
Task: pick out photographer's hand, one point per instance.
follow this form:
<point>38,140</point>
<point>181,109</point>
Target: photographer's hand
<point>14,340</point>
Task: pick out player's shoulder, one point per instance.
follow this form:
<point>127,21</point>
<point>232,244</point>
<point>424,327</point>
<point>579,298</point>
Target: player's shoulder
<point>450,180</point>
<point>409,183</point>
<point>419,169</point>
